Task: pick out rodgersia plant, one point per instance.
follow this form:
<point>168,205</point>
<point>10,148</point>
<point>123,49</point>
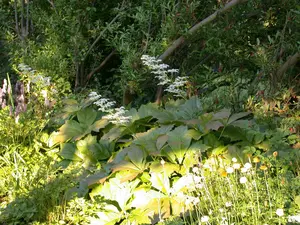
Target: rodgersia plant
<point>115,115</point>
<point>162,72</point>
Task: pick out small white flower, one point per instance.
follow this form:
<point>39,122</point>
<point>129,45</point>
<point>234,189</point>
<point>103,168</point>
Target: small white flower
<point>228,204</point>
<point>196,170</point>
<point>248,165</point>
<point>279,212</point>
<point>204,219</point>
<point>244,170</point>
<point>236,166</point>
<point>243,180</point>
<point>229,170</point>
<point>294,219</point>
<point>234,160</point>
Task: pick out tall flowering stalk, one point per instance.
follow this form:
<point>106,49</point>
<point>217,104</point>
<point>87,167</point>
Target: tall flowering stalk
<point>115,115</point>
<point>162,74</point>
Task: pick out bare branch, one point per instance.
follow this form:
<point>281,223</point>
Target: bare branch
<point>100,35</point>
<point>289,63</point>
<point>100,66</point>
<point>191,31</point>
<point>16,19</point>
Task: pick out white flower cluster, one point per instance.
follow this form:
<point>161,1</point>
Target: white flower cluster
<point>176,85</point>
<point>104,104</point>
<point>294,219</point>
<point>187,199</point>
<point>161,70</point>
<point>33,77</point>
<point>118,117</point>
<point>115,115</point>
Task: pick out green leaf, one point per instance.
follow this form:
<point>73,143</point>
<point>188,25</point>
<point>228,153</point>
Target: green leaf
<point>190,109</point>
<point>68,151</point>
<point>161,141</point>
<point>167,168</point>
<point>118,191</point>
<point>194,134</point>
<point>86,116</point>
<point>137,156</point>
<point>99,124</point>
<point>113,134</point>
<point>179,141</point>
<point>138,216</point>
<point>219,150</point>
<point>99,151</point>
<point>213,125</point>
<point>297,200</point>
<point>109,215</point>
<point>147,140</point>
<point>198,147</point>
<point>96,178</point>
<point>71,129</point>
<point>161,182</point>
<point>237,116</point>
<point>221,115</point>
<point>125,165</point>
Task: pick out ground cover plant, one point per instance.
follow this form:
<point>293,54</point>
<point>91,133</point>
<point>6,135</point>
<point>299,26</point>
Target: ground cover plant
<point>82,143</point>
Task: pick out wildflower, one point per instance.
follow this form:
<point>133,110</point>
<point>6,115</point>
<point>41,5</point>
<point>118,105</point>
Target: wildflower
<point>275,154</point>
<point>196,170</point>
<point>93,96</point>
<point>263,167</point>
<point>243,180</point>
<point>228,204</point>
<point>118,117</point>
<point>229,170</point>
<point>234,160</point>
<point>248,165</point>
<point>162,162</point>
<point>236,166</point>
<point>176,85</point>
<point>244,170</point>
<point>204,219</point>
<point>279,212</point>
<point>256,160</point>
<point>191,200</point>
<point>294,219</point>
<point>222,172</point>
<point>161,71</point>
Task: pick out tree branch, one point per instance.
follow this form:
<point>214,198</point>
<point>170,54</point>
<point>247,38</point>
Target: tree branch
<point>100,35</point>
<point>16,19</point>
<point>100,66</point>
<point>191,31</point>
<point>289,63</point>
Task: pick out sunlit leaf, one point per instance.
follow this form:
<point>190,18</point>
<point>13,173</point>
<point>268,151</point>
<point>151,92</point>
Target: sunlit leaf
<point>99,124</point>
<point>161,182</point>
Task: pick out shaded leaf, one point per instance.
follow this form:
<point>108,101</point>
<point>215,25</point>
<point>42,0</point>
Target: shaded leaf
<point>194,134</point>
<point>161,141</point>
<point>214,125</point>
<point>68,151</point>
<point>237,116</point>
<point>87,116</point>
<point>97,178</point>
<point>221,115</point>
<point>137,156</point>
